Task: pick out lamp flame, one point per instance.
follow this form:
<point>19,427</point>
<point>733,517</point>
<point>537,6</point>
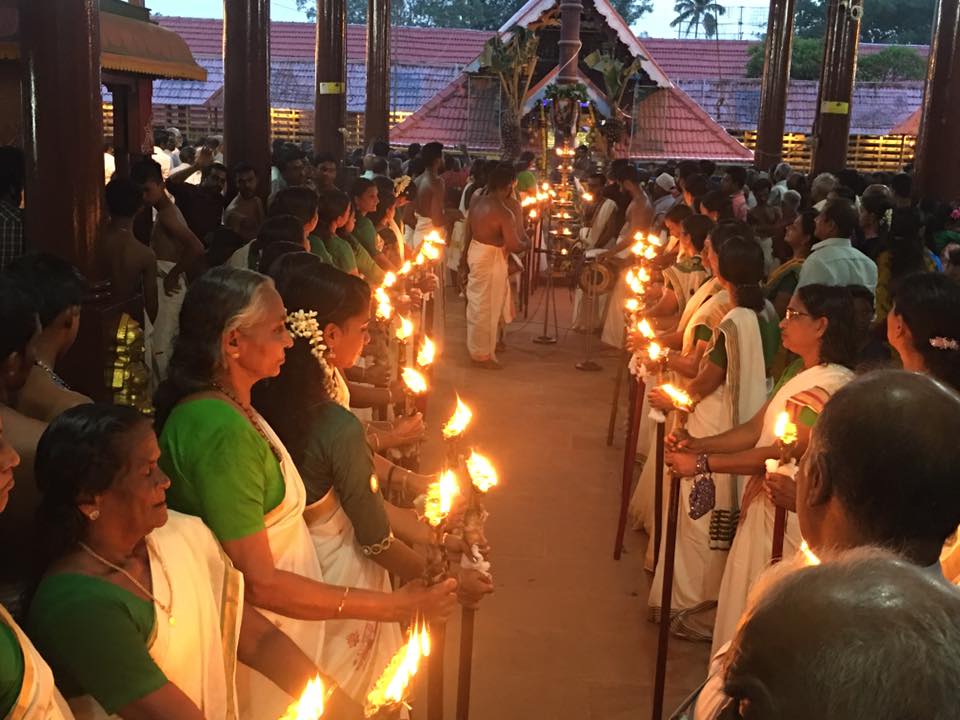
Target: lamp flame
<point>430,251</point>
<point>389,279</point>
<point>427,352</point>
<point>546,187</point>
<point>435,238</point>
<point>654,351</point>
<point>784,429</point>
<point>643,327</point>
<point>650,253</point>
<point>808,555</point>
<point>681,400</point>
<point>391,687</point>
<point>528,200</point>
<point>405,330</point>
<point>459,421</point>
<point>415,382</point>
<point>440,496</point>
<point>533,213</point>
<point>631,304</point>
<point>655,240</point>
<point>406,268</point>
<point>587,196</point>
<point>310,704</point>
<point>482,473</point>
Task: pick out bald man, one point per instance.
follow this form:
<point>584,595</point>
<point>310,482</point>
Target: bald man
<point>880,470</point>
<point>865,636</point>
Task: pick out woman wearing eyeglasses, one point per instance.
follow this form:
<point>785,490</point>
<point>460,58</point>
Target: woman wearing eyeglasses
<point>819,327</point>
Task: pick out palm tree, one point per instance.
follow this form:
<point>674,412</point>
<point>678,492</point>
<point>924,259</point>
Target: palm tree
<point>696,14</point>
<point>514,62</point>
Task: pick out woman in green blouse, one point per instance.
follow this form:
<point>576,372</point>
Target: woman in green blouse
<point>365,196</point>
<point>333,210</point>
<point>783,280</point>
<point>139,612</point>
<point>359,536</point>
<point>228,467</point>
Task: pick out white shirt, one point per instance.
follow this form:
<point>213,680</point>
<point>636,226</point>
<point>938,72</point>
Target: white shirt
<point>836,262</point>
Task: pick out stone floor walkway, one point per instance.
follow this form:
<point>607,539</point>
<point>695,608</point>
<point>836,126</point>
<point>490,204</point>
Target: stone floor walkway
<point>565,636</point>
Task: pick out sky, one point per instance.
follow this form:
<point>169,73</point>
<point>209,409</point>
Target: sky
<point>655,24</point>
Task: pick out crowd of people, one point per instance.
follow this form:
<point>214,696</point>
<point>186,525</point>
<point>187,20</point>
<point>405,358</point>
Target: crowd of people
<point>262,527</point>
<point>772,295</point>
<point>207,562</point>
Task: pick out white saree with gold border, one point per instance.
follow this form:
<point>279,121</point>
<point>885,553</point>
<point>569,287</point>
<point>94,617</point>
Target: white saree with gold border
<point>197,650</point>
<point>39,698</point>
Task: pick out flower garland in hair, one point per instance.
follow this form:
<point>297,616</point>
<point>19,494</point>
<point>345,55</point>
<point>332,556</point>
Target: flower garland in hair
<point>400,185</point>
<point>303,324</point>
<point>942,343</point>
<point>887,219</point>
<point>955,215</point>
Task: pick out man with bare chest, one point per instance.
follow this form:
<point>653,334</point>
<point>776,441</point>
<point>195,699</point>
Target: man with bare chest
<point>492,233</point>
<point>130,265</point>
<point>428,204</point>
<point>177,249</point>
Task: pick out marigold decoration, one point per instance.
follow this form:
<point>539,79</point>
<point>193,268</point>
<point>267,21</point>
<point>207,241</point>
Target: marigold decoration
<point>310,704</point>
<point>303,324</point>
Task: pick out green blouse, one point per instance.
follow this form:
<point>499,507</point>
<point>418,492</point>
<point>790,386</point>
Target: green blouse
<point>95,634</point>
<point>366,234</point>
<point>337,456</point>
<point>221,469</point>
<point>11,669</point>
<point>320,250</point>
<point>808,416</point>
<point>341,253</point>
<point>769,339</point>
<point>367,266</point>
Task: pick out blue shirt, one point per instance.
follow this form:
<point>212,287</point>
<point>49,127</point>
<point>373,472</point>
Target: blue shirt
<point>836,262</point>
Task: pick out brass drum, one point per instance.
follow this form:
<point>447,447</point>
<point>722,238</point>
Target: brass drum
<point>597,278</point>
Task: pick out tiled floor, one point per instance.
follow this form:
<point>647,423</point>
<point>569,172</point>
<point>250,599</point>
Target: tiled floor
<point>565,636</point>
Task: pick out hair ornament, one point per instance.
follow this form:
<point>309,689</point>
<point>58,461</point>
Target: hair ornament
<point>955,215</point>
<point>303,324</point>
<point>887,220</point>
<point>942,343</point>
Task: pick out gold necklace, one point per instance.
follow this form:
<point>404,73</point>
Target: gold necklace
<point>165,607</point>
<point>248,411</point>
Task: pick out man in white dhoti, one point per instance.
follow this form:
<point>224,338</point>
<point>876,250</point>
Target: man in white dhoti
<point>492,233</point>
<point>428,204</point>
<point>176,248</point>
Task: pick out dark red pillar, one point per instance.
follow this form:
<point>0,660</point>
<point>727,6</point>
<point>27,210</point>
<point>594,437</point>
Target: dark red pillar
<point>569,40</point>
<point>246,90</point>
<point>831,129</point>
<point>63,128</point>
<point>773,88</point>
<point>330,105</point>
<point>938,149</point>
<point>377,115</point>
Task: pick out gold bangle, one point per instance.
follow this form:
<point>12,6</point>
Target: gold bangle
<point>343,601</point>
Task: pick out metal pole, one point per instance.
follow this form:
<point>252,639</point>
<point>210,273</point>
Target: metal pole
<point>666,599</point>
<point>465,675</point>
<point>658,494</point>
<point>637,391</point>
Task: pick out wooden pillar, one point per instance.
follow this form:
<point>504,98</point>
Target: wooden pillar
<point>63,128</point>
<point>773,87</point>
<point>569,41</point>
<point>938,152</point>
<point>831,129</point>
<point>330,105</point>
<point>377,115</point>
<point>132,114</point>
<point>246,77</point>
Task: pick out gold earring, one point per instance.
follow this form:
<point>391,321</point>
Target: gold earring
<point>94,514</point>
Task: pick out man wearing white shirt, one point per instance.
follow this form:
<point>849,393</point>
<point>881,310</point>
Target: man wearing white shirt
<point>780,175</point>
<point>833,260</point>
